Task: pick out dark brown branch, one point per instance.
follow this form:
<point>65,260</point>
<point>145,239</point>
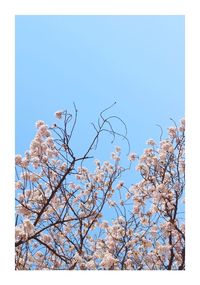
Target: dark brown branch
<point>53,193</point>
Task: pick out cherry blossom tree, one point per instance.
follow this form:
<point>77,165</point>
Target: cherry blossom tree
<point>62,205</point>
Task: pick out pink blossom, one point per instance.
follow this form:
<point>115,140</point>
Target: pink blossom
<point>115,157</point>
<point>120,185</point>
<point>108,261</point>
<point>128,195</point>
<point>162,155</point>
<point>18,185</point>
<point>147,243</point>
<point>28,227</point>
<point>46,238</point>
<point>18,159</point>
<point>63,167</point>
<point>182,125</point>
<point>58,114</point>
<point>35,162</point>
<point>78,257</point>
<point>42,130</point>
<point>132,156</point>
<point>97,162</point>
<point>19,232</point>
<point>91,265</point>
<point>112,203</point>
<point>151,142</point>
<point>172,132</point>
<point>25,176</point>
<point>118,149</point>
<point>24,162</point>
<point>128,264</point>
<point>39,124</point>
<point>136,209</point>
<point>104,225</point>
<point>34,177</point>
<point>154,230</point>
<point>121,220</point>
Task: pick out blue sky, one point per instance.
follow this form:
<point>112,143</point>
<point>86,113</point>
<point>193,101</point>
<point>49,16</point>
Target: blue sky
<point>137,61</point>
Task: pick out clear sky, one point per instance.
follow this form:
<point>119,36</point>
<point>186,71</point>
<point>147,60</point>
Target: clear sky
<point>137,61</point>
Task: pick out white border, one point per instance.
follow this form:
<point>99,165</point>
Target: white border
<point>97,7</point>
<point>8,11</point>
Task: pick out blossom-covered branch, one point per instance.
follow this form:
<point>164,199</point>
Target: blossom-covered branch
<point>61,205</point>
